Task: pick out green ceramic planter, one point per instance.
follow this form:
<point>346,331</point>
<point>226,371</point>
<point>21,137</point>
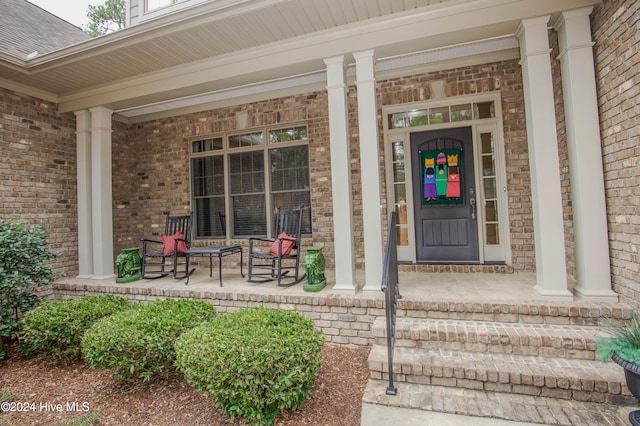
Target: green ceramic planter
<point>129,264</point>
<point>314,266</point>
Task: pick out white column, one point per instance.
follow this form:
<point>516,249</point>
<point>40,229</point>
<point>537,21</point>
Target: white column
<point>551,273</point>
<point>340,175</point>
<point>585,156</point>
<point>83,160</point>
<point>370,169</point>
<point>103,261</point>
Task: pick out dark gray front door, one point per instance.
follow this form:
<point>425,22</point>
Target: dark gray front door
<point>444,196</point>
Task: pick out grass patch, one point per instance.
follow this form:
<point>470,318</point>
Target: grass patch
<point>88,419</point>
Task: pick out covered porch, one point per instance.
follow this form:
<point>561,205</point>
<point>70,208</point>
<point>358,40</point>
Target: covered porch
<point>120,198</point>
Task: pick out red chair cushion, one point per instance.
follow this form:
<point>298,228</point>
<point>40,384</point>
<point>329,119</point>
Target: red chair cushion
<point>169,244</point>
<point>287,244</point>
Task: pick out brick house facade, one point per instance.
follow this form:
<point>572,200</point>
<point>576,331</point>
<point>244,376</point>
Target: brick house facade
<point>616,60</point>
<point>151,173</point>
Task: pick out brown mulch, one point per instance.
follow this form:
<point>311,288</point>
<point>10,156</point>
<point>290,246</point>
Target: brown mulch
<point>50,390</point>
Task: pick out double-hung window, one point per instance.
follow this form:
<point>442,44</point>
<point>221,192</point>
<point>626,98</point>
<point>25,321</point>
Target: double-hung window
<point>239,181</point>
<point>157,4</point>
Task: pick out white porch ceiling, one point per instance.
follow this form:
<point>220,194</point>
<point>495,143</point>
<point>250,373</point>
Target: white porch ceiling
<point>218,51</point>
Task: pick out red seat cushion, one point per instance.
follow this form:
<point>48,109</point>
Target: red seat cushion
<point>169,244</point>
<point>287,244</point>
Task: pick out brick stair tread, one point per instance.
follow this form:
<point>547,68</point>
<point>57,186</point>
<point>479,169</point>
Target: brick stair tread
<point>581,311</point>
<point>576,337</point>
<point>480,403</point>
<point>455,326</point>
<point>499,367</point>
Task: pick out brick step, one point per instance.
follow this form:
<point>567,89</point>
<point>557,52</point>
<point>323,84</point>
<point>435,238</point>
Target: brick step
<point>480,403</point>
<point>536,312</point>
<point>562,341</point>
<point>562,378</point>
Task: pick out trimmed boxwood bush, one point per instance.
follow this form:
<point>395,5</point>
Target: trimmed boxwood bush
<point>139,343</point>
<point>255,362</point>
<point>57,328</point>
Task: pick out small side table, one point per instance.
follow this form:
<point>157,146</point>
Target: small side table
<point>220,251</point>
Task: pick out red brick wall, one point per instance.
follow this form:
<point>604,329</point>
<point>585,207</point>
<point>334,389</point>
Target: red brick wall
<point>159,179</point>
<point>617,56</point>
<point>38,171</point>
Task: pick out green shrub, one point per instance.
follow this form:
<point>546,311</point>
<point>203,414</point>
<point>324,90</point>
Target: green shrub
<point>255,362</point>
<point>23,269</point>
<point>139,343</point>
<point>57,328</point>
<point>624,339</point>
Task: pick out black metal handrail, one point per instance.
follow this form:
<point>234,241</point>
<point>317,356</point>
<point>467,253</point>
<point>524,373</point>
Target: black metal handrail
<point>391,294</point>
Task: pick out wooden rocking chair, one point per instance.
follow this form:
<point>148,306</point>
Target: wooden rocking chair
<point>280,255</point>
<point>157,255</point>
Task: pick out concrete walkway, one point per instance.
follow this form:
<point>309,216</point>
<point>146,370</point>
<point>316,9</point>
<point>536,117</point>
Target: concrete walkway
<point>383,415</point>
<point>442,406</point>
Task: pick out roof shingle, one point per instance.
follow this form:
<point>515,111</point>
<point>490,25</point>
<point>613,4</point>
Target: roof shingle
<point>26,28</point>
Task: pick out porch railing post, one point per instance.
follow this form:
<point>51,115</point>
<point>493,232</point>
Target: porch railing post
<point>391,295</point>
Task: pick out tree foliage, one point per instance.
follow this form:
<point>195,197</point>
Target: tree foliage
<point>106,18</point>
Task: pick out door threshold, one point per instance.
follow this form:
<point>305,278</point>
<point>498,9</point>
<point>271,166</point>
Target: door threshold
<point>464,268</point>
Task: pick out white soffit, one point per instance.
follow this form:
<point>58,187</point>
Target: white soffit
<point>447,53</point>
<point>384,66</point>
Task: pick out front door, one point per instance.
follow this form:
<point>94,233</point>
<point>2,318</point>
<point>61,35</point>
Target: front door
<point>444,196</point>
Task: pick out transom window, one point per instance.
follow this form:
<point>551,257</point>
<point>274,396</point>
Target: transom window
<point>441,115</point>
<point>240,180</point>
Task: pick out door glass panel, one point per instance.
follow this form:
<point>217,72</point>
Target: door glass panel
<point>487,143</point>
<point>400,193</point>
<point>398,172</point>
<point>491,212</point>
<point>490,195</point>
<point>461,112</point>
<point>439,115</point>
<point>398,121</point>
<point>484,110</point>
<point>489,187</point>
<point>418,118</point>
<point>492,234</point>
<point>488,168</point>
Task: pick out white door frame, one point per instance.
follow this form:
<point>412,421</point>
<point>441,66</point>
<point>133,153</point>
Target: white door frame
<point>500,253</point>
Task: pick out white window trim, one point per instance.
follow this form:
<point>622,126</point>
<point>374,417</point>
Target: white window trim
<point>226,151</point>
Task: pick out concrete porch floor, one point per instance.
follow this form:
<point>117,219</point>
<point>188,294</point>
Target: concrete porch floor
<point>477,287</point>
